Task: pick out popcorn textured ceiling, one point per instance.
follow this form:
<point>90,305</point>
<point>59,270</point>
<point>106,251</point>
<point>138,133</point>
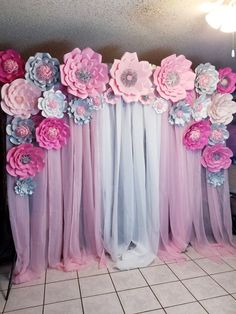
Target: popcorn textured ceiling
<point>152,28</point>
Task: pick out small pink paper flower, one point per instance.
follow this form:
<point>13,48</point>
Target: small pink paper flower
<point>20,98</point>
<point>110,97</point>
<point>25,161</point>
<point>83,73</point>
<point>222,108</point>
<point>130,77</point>
<point>196,136</point>
<point>148,99</point>
<point>174,78</point>
<point>52,133</point>
<point>216,157</point>
<point>227,83</point>
<point>11,66</point>
<point>160,105</point>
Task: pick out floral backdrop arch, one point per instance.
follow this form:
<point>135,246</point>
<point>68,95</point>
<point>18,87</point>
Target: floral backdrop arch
<point>130,161</point>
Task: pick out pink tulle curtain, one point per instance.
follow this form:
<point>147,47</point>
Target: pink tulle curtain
<point>59,226</point>
<point>191,210</point>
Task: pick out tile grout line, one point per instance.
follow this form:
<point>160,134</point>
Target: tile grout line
<point>151,290</point>
<point>188,289</point>
<point>216,280</point>
<point>44,292</point>
<point>82,304</point>
<point>116,290</point>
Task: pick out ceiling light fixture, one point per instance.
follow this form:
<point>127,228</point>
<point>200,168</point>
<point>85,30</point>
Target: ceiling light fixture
<point>222,15</point>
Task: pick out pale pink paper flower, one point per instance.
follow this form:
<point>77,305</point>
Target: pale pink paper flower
<point>110,97</point>
<point>148,99</point>
<point>222,108</point>
<point>227,83</point>
<point>130,77</point>
<point>216,157</point>
<point>196,136</point>
<point>83,73</point>
<point>52,133</point>
<point>12,66</point>
<point>174,78</point>
<point>25,160</point>
<point>20,98</point>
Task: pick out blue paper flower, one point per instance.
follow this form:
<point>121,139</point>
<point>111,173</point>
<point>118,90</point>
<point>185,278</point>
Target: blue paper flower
<point>206,79</point>
<point>218,134</point>
<point>20,131</point>
<point>52,104</point>
<point>25,187</point>
<point>180,113</point>
<point>43,70</point>
<point>81,110</point>
<point>216,178</point>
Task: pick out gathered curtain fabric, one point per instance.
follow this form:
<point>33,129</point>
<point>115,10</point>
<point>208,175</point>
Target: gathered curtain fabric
<point>123,183</point>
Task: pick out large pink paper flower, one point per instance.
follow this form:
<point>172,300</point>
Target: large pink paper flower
<point>227,83</point>
<point>20,98</point>
<point>216,157</point>
<point>25,160</point>
<point>222,108</point>
<point>196,136</point>
<point>52,133</point>
<point>174,77</point>
<point>83,73</point>
<point>130,77</point>
<point>11,66</point>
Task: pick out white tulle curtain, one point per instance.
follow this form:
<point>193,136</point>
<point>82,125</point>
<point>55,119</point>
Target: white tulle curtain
<point>130,153</point>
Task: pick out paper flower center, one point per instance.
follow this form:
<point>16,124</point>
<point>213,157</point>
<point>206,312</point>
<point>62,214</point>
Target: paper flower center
<point>52,104</point>
<point>216,134</point>
<point>129,78</point>
<point>195,135</point>
<point>204,80</point>
<point>22,131</point>
<point>179,113</point>
<point>19,99</point>
<point>10,66</point>
<point>25,159</point>
<point>224,82</point>
<point>80,110</point>
<point>53,132</point>
<point>217,156</point>
<point>145,97</point>
<point>199,107</point>
<point>44,72</point>
<point>172,79</point>
<point>84,76</point>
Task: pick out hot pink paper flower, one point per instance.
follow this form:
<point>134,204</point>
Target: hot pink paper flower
<point>196,136</point>
<point>191,97</point>
<point>11,66</point>
<point>130,77</point>
<point>83,73</point>
<point>216,157</point>
<point>174,77</point>
<point>222,108</point>
<point>20,98</point>
<point>227,83</point>
<point>52,133</point>
<point>25,161</point>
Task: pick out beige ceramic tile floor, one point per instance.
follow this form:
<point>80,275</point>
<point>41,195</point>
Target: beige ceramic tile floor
<point>196,286</point>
